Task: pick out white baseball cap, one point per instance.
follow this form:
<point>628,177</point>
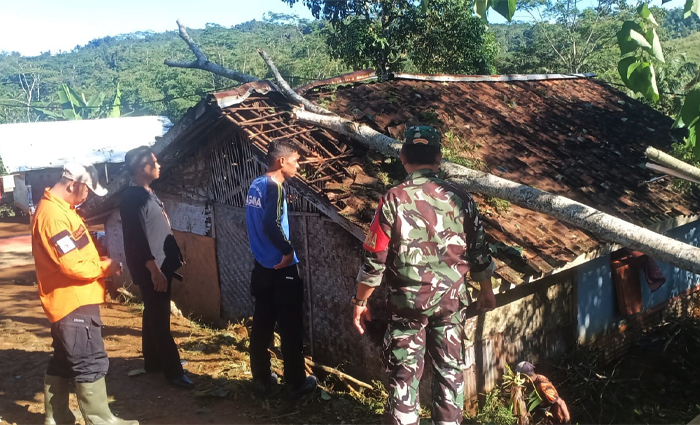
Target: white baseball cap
<point>84,174</point>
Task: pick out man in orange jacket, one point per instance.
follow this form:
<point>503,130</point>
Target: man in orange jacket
<point>70,274</point>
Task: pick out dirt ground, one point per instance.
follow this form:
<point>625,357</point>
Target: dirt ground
<point>217,363</point>
<point>657,382</point>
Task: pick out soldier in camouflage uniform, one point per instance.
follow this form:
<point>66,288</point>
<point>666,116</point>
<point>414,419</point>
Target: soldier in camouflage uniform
<point>425,237</point>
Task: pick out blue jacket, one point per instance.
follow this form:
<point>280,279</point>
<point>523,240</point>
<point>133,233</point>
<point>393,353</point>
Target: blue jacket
<point>266,219</point>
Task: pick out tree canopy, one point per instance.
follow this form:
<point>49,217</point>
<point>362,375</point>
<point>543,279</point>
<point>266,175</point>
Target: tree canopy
<point>403,35</point>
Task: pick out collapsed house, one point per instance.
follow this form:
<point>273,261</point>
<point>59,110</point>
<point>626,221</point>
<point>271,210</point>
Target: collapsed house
<point>569,135</point>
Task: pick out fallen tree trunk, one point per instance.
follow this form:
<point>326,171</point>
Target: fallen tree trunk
<point>287,90</point>
<point>604,226</point>
<point>673,163</point>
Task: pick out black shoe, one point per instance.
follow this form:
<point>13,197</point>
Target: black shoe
<point>309,385</point>
<point>264,387</point>
<point>183,382</point>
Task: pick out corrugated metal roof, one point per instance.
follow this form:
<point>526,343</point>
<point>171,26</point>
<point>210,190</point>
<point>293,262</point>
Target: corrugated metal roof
<point>488,78</point>
<point>33,146</point>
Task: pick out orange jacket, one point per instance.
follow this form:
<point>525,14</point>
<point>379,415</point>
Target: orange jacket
<point>68,267</point>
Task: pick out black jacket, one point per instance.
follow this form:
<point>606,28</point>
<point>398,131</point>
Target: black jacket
<point>147,232</point>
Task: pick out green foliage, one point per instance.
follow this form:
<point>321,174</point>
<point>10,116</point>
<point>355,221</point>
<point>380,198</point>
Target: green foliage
<point>501,206</point>
<point>689,46</point>
<point>367,33</point>
<point>448,39</point>
<point>505,8</point>
<point>640,47</point>
<point>30,86</point>
<point>74,107</point>
<point>533,400</point>
<point>432,36</point>
<point>678,26</point>
<point>675,76</point>
<point>691,6</point>
<point>5,210</point>
<point>684,152</point>
<point>561,39</point>
<point>495,411</point>
<point>689,117</point>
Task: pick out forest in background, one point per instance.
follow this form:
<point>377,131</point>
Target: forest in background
<point>558,39</point>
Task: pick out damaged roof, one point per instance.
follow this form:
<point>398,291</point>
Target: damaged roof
<point>568,135</point>
<point>575,137</point>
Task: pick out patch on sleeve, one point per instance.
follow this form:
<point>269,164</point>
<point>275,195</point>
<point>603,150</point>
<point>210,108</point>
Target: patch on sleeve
<point>63,242</point>
<point>376,239</point>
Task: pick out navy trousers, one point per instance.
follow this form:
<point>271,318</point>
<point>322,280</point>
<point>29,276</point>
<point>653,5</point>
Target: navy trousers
<point>157,343</point>
<point>78,349</point>
<point>279,300</point>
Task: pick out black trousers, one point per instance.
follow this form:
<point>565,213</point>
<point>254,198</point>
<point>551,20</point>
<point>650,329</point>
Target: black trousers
<point>78,349</point>
<point>279,300</point>
<point>157,343</point>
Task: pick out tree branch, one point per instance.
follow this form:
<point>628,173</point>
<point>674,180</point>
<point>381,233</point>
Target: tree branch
<point>604,226</point>
<point>203,63</point>
<point>287,90</point>
<point>673,163</point>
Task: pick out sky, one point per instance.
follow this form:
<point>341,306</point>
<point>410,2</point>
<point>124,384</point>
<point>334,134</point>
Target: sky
<point>60,25</point>
<point>54,25</point>
<point>495,18</point>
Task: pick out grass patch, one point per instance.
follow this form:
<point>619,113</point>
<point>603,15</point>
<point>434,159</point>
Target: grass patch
<point>501,206</point>
<point>496,410</point>
<point>457,149</point>
<point>472,163</point>
<point>6,211</point>
<point>430,118</point>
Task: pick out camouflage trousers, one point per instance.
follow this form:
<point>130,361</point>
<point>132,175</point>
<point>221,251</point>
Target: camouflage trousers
<point>406,342</point>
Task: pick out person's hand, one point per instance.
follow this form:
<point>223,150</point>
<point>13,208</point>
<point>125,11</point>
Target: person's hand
<point>360,315</point>
<point>112,267</point>
<point>113,264</point>
<point>563,412</point>
<point>485,301</point>
<point>160,282</point>
<point>286,261</point>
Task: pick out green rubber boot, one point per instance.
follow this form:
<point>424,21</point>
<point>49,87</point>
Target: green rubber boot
<point>56,407</point>
<point>92,399</point>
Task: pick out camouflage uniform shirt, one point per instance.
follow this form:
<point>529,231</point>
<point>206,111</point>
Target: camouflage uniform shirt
<point>426,235</point>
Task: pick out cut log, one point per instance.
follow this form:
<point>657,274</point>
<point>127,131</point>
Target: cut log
<point>336,372</point>
<point>287,90</point>
<point>673,163</point>
<point>604,226</point>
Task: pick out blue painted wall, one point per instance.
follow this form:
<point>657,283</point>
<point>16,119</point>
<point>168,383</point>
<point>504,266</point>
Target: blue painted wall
<point>597,301</point>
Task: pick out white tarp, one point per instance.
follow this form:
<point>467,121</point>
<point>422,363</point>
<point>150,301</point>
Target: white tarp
<point>8,183</point>
<point>33,146</point>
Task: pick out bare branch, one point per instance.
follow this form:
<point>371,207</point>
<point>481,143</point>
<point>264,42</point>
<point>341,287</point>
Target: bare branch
<point>204,64</point>
<point>287,90</point>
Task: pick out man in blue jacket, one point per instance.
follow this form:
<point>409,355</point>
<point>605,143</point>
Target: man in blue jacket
<point>275,283</point>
